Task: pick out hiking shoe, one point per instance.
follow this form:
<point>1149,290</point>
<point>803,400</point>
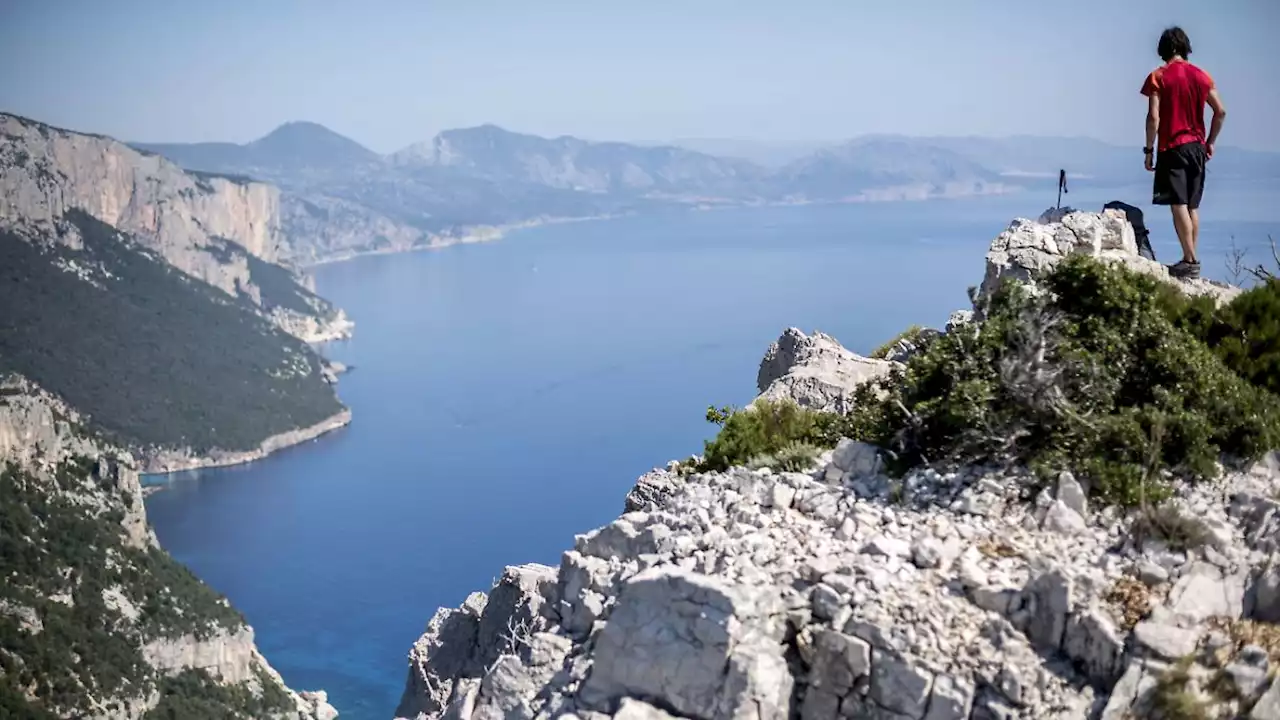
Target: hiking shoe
<point>1185,270</point>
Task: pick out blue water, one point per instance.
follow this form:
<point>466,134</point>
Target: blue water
<point>505,397</point>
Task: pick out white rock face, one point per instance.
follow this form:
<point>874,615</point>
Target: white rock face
<point>1028,248</point>
<point>187,219</point>
<point>815,371</point>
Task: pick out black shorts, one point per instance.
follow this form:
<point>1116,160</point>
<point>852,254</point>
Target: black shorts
<point>1180,175</point>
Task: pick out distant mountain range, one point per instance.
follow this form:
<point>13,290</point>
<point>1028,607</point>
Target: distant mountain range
<point>341,198</point>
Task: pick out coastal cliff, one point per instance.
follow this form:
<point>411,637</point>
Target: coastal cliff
<point>984,524</point>
<point>97,621</point>
<point>223,230</point>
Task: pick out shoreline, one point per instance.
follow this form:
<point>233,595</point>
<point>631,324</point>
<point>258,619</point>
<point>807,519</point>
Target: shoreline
<point>476,234</point>
<point>473,235</point>
<point>173,461</point>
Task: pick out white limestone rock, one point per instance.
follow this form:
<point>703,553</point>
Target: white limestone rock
<point>1029,248</point>
<point>702,647</point>
<point>815,371</point>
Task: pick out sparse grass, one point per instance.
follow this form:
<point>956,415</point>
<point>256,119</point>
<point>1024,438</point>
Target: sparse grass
<point>1167,523</point>
<point>795,456</point>
<point>1249,632</point>
<point>1173,699</point>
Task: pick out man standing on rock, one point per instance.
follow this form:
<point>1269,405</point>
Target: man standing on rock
<point>1176,94</point>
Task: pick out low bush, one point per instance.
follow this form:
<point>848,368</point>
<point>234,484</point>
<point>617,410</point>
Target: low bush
<point>766,429</point>
<point>1109,373</point>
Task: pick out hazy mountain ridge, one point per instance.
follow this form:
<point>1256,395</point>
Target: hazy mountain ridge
<point>342,199</point>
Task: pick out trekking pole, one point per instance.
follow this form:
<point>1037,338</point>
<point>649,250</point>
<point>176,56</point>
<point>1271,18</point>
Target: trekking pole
<point>1062,186</point>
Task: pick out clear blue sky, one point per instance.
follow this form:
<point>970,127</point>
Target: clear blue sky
<point>392,72</point>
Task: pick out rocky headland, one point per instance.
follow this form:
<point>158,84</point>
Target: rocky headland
<point>839,584</point>
<point>97,620</point>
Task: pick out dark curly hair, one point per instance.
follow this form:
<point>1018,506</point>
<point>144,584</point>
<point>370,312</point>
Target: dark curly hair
<point>1174,42</point>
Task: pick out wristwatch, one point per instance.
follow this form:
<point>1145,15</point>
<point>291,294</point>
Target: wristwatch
<point>1147,150</point>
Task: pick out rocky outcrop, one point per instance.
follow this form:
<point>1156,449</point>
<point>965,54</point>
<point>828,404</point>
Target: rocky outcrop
<point>205,225</point>
<point>1029,248</point>
<point>951,595</point>
<point>815,371</point>
<point>163,460</point>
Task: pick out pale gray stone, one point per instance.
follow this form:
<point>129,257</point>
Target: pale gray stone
<point>1071,494</point>
<point>1132,694</point>
<point>698,645</point>
<point>859,459</point>
<point>782,496</point>
<point>1092,641</point>
<point>826,601</point>
<point>839,660</point>
<point>899,685</point>
<point>1266,594</point>
<point>815,371</point>
<point>994,599</point>
<point>1166,641</point>
<point>1203,592</point>
<point>926,552</point>
<point>633,709</point>
<point>1047,600</point>
<point>887,546</point>
<point>1151,573</point>
<point>1268,706</point>
<point>1248,680</point>
<point>1063,520</point>
<point>949,699</point>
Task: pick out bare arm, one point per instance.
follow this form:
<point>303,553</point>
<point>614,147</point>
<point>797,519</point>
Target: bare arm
<point>1153,125</point>
<point>1219,115</point>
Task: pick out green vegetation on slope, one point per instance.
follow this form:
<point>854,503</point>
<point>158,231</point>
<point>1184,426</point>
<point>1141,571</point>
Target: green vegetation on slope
<point>194,695</point>
<point>61,549</point>
<point>1107,373</point>
<point>152,356</point>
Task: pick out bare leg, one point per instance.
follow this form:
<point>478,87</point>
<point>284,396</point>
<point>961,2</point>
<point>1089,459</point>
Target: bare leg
<point>1195,232</point>
<point>1185,228</point>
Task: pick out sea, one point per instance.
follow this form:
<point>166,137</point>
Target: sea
<point>506,395</point>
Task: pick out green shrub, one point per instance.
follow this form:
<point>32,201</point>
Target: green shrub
<point>1080,376</point>
<point>767,429</point>
<point>62,536</point>
<point>1110,373</point>
<point>912,335</point>
<point>795,456</point>
<point>1245,334</point>
<point>194,695</point>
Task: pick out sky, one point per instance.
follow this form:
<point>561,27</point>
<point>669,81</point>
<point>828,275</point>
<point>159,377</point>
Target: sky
<point>388,73</point>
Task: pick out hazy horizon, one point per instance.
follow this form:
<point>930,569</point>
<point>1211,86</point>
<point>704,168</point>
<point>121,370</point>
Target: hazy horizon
<point>389,73</point>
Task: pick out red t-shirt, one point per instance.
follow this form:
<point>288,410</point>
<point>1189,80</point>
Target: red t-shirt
<point>1184,90</point>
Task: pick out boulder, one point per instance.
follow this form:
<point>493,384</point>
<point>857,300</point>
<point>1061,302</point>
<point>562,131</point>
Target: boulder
<point>1029,248</point>
<point>815,371</point>
<point>696,644</point>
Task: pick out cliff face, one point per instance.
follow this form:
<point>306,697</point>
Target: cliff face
<point>97,620</point>
<point>202,224</point>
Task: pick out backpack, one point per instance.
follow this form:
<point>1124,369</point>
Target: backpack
<point>1134,215</point>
